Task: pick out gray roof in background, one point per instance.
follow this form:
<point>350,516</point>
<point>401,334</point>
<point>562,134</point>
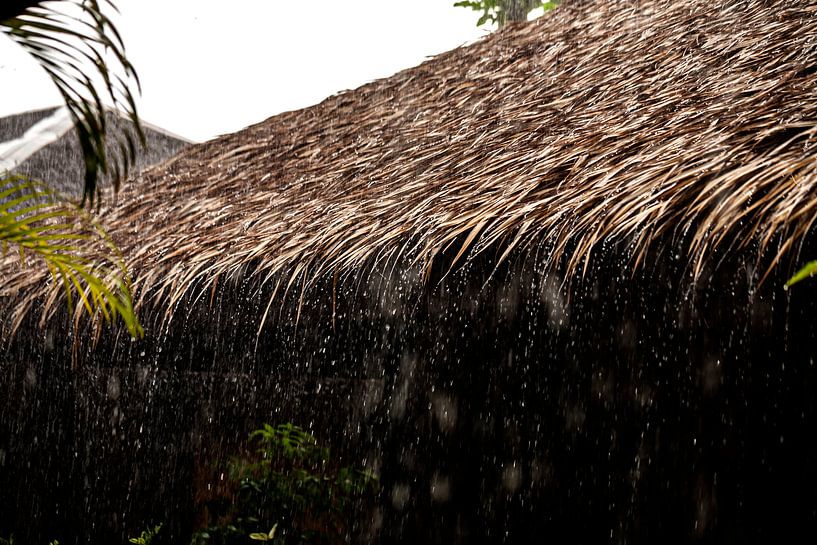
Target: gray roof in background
<point>14,126</point>
<point>60,163</point>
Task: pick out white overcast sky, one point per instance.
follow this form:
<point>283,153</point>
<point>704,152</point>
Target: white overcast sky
<point>211,67</point>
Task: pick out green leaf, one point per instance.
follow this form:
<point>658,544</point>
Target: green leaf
<point>76,250</point>
<point>808,270</point>
<point>495,11</point>
<point>146,536</point>
<point>260,536</point>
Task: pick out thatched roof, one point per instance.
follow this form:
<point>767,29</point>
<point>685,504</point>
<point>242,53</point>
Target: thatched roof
<point>680,127</point>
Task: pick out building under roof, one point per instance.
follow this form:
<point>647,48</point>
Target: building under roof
<point>536,283</point>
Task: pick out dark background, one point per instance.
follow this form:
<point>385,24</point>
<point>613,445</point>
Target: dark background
<point>640,408</point>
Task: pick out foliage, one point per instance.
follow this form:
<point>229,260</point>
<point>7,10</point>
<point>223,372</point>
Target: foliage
<point>13,8</point>
<point>269,536</point>
<point>809,269</point>
<point>499,12</point>
<point>77,45</point>
<point>146,536</point>
<point>68,39</point>
<point>34,221</point>
<point>291,487</point>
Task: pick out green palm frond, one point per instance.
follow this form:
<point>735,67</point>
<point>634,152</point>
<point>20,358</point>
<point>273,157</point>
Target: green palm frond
<point>808,270</point>
<point>35,222</point>
<point>81,50</point>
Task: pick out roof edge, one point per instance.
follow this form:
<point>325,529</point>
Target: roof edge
<point>39,135</point>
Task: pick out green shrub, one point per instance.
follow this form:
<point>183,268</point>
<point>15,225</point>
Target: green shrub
<point>146,536</point>
<point>290,492</point>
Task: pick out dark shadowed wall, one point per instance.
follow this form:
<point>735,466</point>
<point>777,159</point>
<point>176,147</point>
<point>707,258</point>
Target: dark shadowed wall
<point>496,408</point>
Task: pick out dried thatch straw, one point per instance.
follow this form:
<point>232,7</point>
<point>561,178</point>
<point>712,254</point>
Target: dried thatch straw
<point>601,123</point>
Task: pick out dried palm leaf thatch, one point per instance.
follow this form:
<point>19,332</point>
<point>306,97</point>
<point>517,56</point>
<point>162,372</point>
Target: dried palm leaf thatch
<point>603,124</point>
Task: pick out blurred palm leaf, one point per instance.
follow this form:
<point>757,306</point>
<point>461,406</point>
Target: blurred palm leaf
<point>82,259</point>
<point>808,270</point>
<point>81,50</point>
